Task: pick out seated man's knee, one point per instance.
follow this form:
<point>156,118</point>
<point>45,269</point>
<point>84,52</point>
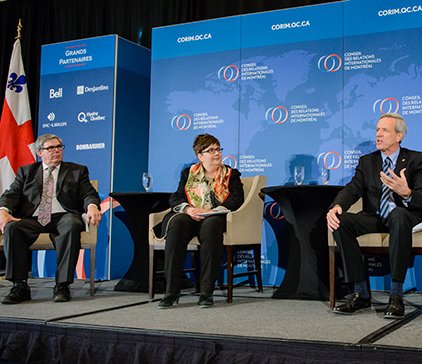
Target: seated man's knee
<point>399,215</point>
<point>72,222</point>
<point>345,219</point>
<point>12,226</point>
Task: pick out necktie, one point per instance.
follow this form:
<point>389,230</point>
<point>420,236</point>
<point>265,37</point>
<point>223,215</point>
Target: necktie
<point>44,211</point>
<point>385,192</point>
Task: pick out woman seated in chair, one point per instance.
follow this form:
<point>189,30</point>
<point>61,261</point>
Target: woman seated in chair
<point>205,187</point>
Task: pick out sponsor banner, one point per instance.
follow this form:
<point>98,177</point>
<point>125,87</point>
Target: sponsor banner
<point>85,54</point>
<point>292,25</point>
<point>86,126</point>
<point>196,38</point>
<point>379,16</point>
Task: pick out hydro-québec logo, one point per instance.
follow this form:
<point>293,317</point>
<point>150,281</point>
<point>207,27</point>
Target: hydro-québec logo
<point>278,114</point>
<point>231,161</point>
<point>273,210</point>
<point>386,105</point>
<point>181,122</point>
<point>228,73</point>
<point>330,63</point>
<point>329,160</point>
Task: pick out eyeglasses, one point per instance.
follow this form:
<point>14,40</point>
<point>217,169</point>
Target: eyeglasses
<point>212,150</point>
<point>54,147</point>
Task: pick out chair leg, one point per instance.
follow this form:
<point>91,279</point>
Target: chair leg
<point>151,273</point>
<point>332,263</point>
<point>229,273</point>
<point>257,258</point>
<point>92,270</point>
<point>196,272</point>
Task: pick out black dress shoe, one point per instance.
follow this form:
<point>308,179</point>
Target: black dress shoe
<point>395,308</point>
<point>169,301</point>
<point>354,304</point>
<point>205,302</point>
<point>62,293</point>
<point>20,292</point>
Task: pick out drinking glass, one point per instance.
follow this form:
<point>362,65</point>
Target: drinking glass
<point>147,181</point>
<point>299,174</point>
<point>325,175</point>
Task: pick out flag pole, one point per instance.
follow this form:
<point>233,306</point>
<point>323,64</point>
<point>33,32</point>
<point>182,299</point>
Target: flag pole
<point>19,29</point>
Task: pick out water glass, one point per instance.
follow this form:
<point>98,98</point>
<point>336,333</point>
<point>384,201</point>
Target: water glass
<point>325,175</point>
<point>299,174</point>
<point>147,181</point>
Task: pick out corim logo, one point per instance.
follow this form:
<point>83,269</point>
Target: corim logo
<point>230,161</point>
<point>228,73</point>
<point>385,106</point>
<point>273,209</point>
<point>51,116</point>
<point>277,114</point>
<point>330,63</point>
<point>329,160</point>
<point>181,122</point>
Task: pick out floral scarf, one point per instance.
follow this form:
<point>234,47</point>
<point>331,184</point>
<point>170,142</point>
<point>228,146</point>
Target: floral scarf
<point>200,192</point>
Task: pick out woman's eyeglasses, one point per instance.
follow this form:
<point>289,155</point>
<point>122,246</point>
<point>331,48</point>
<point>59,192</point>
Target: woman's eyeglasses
<point>212,150</point>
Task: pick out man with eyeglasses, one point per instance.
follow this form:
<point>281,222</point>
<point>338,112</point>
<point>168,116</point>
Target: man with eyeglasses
<point>46,197</point>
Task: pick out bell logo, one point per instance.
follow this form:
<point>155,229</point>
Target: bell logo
<point>56,94</point>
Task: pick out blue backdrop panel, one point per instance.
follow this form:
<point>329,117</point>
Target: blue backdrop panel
<point>84,93</point>
<point>80,74</point>
<point>381,74</point>
<point>290,115</point>
<point>311,84</point>
<point>193,94</point>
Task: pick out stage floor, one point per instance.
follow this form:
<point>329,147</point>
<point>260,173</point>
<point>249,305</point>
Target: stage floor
<point>251,315</point>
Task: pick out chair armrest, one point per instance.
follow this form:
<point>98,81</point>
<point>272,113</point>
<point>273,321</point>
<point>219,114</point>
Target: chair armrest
<point>244,226</point>
<point>331,241</point>
<point>91,231</point>
<point>154,219</point>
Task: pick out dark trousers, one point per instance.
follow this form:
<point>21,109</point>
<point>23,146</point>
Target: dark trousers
<point>399,225</point>
<point>65,232</point>
<point>181,229</point>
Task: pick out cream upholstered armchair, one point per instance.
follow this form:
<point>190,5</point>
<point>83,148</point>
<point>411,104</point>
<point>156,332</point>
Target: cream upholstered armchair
<point>88,242</point>
<point>243,230</point>
<point>375,243</point>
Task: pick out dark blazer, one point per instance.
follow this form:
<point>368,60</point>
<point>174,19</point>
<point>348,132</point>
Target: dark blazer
<point>233,201</point>
<point>366,182</point>
<point>74,190</point>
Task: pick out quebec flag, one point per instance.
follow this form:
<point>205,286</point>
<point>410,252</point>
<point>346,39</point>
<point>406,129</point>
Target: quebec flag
<point>16,137</point>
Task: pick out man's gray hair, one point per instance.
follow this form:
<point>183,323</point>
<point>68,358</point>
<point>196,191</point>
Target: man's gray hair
<point>400,126</point>
<point>39,143</point>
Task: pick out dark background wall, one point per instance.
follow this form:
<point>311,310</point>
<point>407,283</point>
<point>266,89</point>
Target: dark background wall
<point>51,21</point>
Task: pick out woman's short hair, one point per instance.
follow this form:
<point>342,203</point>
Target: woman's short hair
<point>203,141</point>
<point>39,143</point>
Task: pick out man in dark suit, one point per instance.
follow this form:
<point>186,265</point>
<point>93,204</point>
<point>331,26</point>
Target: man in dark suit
<point>46,197</point>
<point>392,202</point>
